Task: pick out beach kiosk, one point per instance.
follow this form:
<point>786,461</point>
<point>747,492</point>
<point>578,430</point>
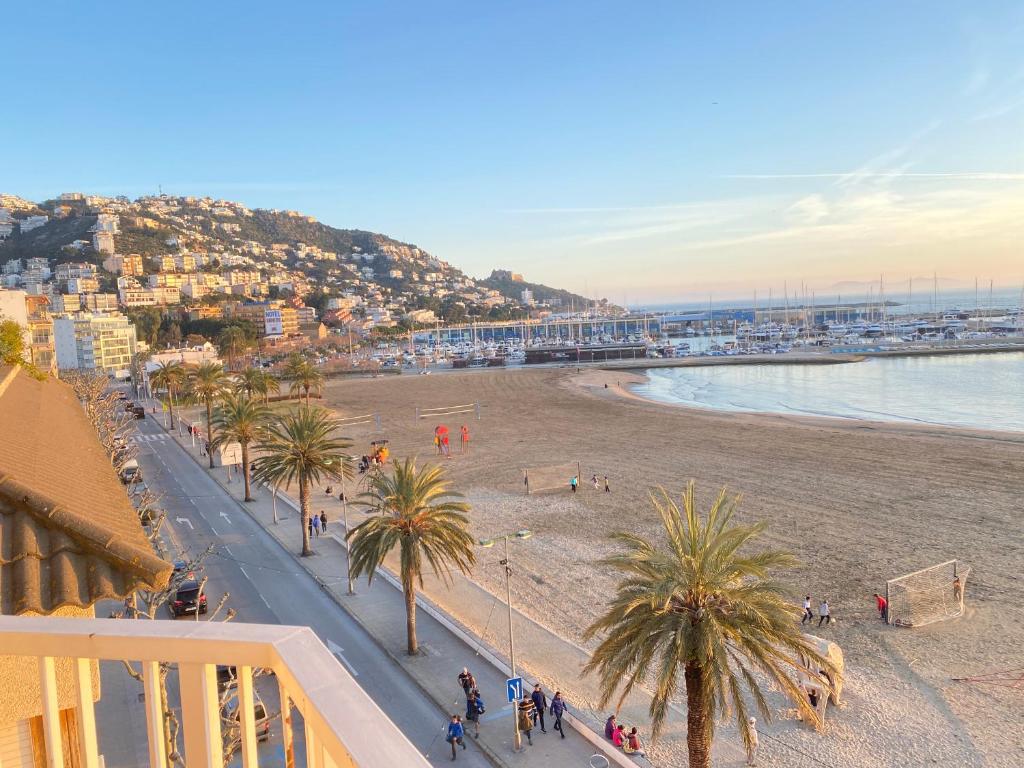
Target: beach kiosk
<point>820,687</point>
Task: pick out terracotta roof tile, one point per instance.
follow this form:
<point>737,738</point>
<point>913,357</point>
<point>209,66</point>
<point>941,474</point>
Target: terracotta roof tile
<point>68,533</point>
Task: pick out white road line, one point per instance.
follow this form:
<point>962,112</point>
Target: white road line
<point>264,601</point>
<point>336,649</point>
<point>214,531</point>
<point>244,573</point>
<point>228,550</point>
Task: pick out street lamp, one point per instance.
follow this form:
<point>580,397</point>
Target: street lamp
<point>517,741</point>
<point>344,517</point>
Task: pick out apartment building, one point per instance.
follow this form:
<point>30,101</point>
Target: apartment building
<point>40,327</point>
<point>13,307</point>
<point>103,242</point>
<point>33,222</point>
<point>282,321</point>
<point>130,265</point>
<point>74,270</point>
<point>82,285</point>
<point>87,341</point>
<point>149,297</point>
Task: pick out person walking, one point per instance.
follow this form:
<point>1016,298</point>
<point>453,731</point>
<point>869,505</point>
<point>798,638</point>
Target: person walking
<point>607,488</point>
<point>593,481</point>
<point>315,520</point>
<point>883,607</point>
<point>575,481</point>
<point>558,708</point>
<point>446,448</point>
<point>309,524</point>
<point>824,613</point>
<point>526,710</point>
<point>540,704</point>
<point>474,708</point>
<point>455,734</point>
<point>467,681</point>
<point>808,613</point>
<point>464,438</point>
<point>323,521</point>
<point>752,747</point>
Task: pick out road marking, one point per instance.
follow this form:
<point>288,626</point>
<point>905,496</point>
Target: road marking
<point>214,531</point>
<point>244,573</point>
<point>337,651</point>
<point>228,550</point>
<point>264,601</point>
<point>225,516</point>
<point>185,521</point>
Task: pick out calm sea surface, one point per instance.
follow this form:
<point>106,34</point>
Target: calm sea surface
<point>985,391</point>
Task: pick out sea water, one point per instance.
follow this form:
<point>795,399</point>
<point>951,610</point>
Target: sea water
<point>982,391</point>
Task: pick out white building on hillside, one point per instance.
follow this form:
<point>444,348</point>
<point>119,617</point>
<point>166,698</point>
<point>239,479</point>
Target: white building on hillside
<point>86,341</point>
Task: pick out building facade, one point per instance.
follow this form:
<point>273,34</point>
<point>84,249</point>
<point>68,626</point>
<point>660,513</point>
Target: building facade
<point>88,341</point>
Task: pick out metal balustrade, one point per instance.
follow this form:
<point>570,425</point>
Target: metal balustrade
<point>343,727</point>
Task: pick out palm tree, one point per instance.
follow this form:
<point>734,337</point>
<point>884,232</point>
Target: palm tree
<point>240,419</point>
<point>299,447</point>
<point>695,605</point>
<point>232,341</point>
<point>256,381</point>
<point>417,513</point>
<point>207,382</point>
<point>169,375</point>
<point>303,375</point>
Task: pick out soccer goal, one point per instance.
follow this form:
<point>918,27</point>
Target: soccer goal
<point>448,410</point>
<point>356,421</point>
<point>929,595</point>
<point>550,477</point>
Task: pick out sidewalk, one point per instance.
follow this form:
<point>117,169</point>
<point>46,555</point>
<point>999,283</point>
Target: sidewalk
<point>446,647</point>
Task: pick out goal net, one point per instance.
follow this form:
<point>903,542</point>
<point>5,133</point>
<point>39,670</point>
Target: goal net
<point>929,595</point>
<point>551,477</point>
<point>448,410</point>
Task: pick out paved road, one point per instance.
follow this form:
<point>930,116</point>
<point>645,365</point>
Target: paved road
<point>267,586</point>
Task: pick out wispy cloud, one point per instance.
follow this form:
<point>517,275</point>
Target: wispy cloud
<point>962,176</point>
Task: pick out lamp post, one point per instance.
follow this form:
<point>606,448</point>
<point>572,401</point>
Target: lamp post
<point>517,740</point>
<point>348,546</point>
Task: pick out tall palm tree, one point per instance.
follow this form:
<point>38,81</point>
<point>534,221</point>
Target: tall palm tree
<point>420,515</point>
<point>232,341</point>
<point>695,606</point>
<point>256,382</point>
<point>299,447</point>
<point>170,375</point>
<point>303,375</point>
<point>240,419</point>
<point>208,382</point>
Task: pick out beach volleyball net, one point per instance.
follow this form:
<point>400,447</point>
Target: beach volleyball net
<point>550,477</point>
<point>448,410</point>
<point>929,595</point>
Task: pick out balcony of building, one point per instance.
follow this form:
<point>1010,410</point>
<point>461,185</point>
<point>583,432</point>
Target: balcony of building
<point>341,727</point>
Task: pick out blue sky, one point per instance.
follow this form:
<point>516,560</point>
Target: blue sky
<point>642,151</point>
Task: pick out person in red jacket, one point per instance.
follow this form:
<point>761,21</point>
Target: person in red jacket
<point>883,607</point>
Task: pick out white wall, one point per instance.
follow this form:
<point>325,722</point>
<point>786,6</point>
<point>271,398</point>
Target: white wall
<point>64,343</point>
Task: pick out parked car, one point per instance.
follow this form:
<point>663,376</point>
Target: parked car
<point>188,599</point>
<point>131,472</point>
<point>230,715</point>
<point>139,411</point>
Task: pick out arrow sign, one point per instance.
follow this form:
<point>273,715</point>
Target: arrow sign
<point>225,516</point>
<point>185,521</point>
<point>514,688</point>
<point>336,649</point>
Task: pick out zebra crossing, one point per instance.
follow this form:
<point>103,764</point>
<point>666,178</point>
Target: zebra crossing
<point>158,438</point>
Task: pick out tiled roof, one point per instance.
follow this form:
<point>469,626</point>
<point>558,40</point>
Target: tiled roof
<point>68,534</point>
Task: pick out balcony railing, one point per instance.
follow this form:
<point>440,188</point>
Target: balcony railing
<point>343,727</point>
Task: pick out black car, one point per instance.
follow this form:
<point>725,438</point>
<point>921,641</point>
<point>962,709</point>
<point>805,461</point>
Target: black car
<point>188,599</point>
<point>139,411</point>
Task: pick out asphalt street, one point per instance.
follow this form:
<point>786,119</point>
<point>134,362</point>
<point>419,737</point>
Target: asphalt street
<point>267,586</point>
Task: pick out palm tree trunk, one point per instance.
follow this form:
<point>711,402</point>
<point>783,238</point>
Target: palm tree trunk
<point>307,394</point>
<point>304,516</point>
<point>245,470</point>
<point>209,428</point>
<point>170,406</point>
<point>409,590</point>
<point>698,726</point>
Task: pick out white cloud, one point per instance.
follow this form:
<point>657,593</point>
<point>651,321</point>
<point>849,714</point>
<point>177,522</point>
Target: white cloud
<point>808,210</point>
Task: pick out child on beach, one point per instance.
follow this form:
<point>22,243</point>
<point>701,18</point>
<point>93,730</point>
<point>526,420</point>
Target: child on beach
<point>575,481</point>
<point>594,481</point>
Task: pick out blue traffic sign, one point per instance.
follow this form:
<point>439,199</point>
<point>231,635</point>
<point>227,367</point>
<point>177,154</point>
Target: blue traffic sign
<point>514,688</point>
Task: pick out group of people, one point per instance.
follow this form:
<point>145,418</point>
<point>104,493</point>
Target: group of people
<point>824,612</point>
<point>627,741</point>
<point>574,483</point>
<point>530,712</point>
<point>317,524</point>
<point>443,445</point>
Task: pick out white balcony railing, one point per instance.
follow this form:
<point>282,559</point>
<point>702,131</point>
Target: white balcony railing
<point>343,727</point>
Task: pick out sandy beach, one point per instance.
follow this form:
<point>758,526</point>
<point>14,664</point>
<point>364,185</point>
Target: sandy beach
<point>857,502</point>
